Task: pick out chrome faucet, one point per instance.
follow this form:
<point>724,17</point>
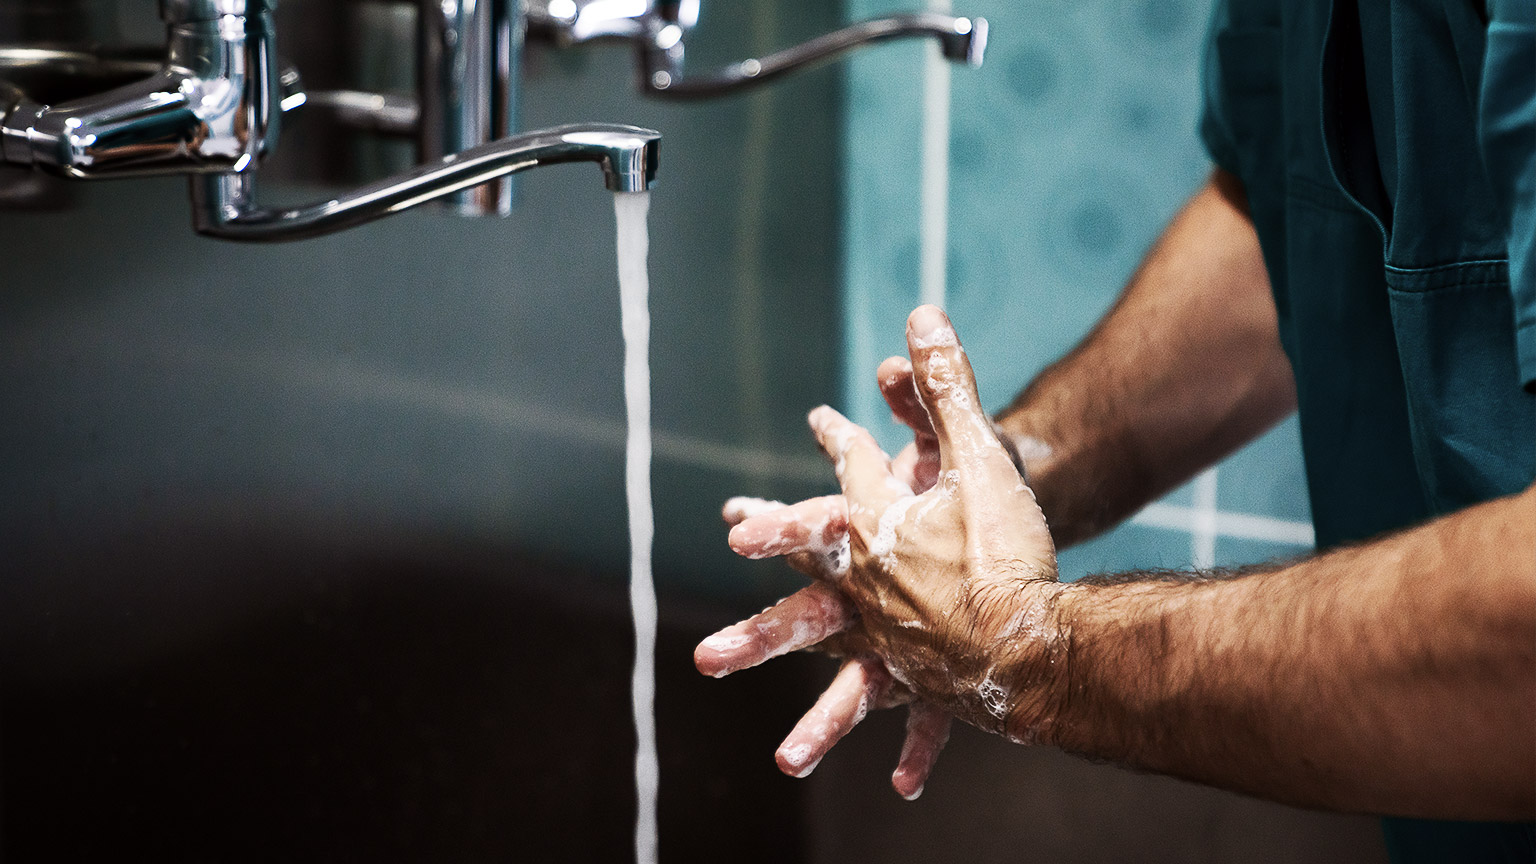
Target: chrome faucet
<point>224,204</point>
<point>469,55</point>
<point>213,110</point>
<point>659,29</point>
<point>212,106</point>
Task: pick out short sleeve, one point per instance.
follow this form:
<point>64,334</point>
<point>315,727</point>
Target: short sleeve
<point>1507,124</point>
<point>1242,119</point>
<point>1215,126</point>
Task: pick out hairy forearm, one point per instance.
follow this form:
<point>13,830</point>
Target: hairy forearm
<point>1395,677</point>
<point>1184,369</point>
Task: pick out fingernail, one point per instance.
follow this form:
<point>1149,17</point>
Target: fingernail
<point>930,326</point>
<point>916,793</point>
<point>796,759</point>
<point>740,541</point>
<point>721,643</point>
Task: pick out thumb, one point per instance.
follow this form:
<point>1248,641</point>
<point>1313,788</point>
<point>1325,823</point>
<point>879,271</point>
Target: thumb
<point>946,385</point>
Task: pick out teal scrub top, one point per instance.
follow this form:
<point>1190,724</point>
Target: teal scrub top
<point>1388,149</point>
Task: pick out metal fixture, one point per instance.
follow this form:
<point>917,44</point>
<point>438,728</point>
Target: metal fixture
<point>469,54</point>
<point>224,204</point>
<point>212,107</point>
<point>659,29</point>
<point>211,103</point>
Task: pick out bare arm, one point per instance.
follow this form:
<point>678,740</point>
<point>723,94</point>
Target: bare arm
<point>1184,369</point>
<point>1395,677</point>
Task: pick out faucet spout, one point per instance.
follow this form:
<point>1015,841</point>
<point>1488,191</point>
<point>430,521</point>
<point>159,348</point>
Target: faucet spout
<point>225,205</point>
<point>961,40</point>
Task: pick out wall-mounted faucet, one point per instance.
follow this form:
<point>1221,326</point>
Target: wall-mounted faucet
<point>213,103</point>
<point>213,107</point>
<point>659,30</point>
<point>470,51</point>
<point>224,205</point>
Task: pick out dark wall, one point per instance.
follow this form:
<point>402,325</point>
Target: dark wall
<point>318,551</point>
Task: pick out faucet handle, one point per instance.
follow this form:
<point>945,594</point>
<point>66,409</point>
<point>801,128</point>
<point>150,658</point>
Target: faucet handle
<point>962,40</point>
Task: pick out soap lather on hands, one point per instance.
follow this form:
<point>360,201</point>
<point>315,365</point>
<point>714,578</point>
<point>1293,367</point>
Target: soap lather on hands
<point>935,574</point>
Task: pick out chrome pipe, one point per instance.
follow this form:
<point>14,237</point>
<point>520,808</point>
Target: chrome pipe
<point>213,106</point>
<point>469,58</point>
<point>961,40</point>
<point>660,29</point>
<point>225,205</point>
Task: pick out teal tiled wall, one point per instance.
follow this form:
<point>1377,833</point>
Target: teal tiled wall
<point>1069,150</point>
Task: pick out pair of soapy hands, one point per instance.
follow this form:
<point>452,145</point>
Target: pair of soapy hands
<point>934,574</point>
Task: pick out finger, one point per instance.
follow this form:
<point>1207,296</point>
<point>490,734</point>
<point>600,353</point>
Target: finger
<point>742,507</point>
<point>896,385</point>
<point>917,465</point>
<point>828,564</point>
<point>818,525</point>
<point>946,385</point>
<point>798,621</point>
<point>862,467</point>
<point>858,685</point>
<point>927,733</point>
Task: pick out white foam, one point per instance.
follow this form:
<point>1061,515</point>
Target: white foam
<point>883,547</point>
<point>742,507</point>
<point>1030,448</point>
<point>994,697</point>
<point>840,559</point>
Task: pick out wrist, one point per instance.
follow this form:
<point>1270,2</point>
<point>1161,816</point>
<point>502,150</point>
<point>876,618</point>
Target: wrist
<point>1039,665</point>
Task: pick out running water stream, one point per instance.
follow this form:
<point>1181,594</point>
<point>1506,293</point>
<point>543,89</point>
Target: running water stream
<point>630,210</point>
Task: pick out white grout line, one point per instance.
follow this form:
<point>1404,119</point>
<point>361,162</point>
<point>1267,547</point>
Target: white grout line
<point>934,184</point>
<point>1202,534</point>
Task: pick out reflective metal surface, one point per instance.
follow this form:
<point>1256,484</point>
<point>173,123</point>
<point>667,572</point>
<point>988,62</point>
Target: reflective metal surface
<point>212,107</point>
<point>468,60</point>
<point>962,40</point>
<point>660,27</point>
<point>225,206</point>
<point>212,10</point>
<point>48,74</point>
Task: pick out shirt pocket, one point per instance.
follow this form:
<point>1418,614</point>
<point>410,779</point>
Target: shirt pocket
<point>1473,427</point>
